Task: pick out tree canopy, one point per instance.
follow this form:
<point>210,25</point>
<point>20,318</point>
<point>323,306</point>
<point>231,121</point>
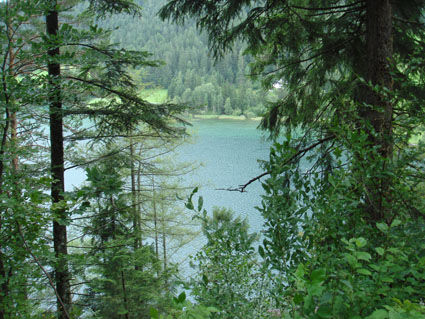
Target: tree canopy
<point>343,164</point>
<point>345,66</point>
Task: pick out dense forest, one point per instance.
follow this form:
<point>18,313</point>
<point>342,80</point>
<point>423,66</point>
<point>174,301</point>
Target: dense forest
<point>340,89</point>
<point>190,74</point>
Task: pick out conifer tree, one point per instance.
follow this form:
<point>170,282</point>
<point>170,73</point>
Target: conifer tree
<point>96,69</point>
<point>131,226</point>
<point>21,189</point>
<point>338,62</point>
<point>343,164</point>
<point>123,280</point>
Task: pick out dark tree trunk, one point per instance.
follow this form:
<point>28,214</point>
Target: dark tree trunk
<point>57,168</point>
<point>124,294</point>
<point>378,112</point>
<point>136,217</point>
<point>155,218</point>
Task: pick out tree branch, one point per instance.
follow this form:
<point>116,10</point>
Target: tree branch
<point>242,187</point>
<point>51,283</point>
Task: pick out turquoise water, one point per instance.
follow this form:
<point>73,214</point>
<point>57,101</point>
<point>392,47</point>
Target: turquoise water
<point>229,152</point>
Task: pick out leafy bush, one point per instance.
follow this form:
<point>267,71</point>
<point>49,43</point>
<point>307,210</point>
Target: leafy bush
<point>184,309</point>
<point>229,276</point>
<point>367,282</point>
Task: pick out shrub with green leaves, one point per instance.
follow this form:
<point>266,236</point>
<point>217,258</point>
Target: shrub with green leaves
<point>368,281</point>
<point>228,275</point>
<point>181,308</point>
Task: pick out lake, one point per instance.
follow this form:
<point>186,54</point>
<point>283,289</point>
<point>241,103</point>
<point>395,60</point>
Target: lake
<point>229,151</point>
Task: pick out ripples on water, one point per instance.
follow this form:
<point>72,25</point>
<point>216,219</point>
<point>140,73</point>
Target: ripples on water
<point>229,151</point>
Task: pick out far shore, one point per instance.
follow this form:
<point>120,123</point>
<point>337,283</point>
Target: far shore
<point>223,117</point>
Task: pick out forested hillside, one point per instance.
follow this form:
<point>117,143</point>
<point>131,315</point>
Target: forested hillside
<point>190,73</point>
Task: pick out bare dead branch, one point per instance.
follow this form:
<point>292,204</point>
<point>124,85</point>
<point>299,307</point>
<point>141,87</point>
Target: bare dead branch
<point>242,188</point>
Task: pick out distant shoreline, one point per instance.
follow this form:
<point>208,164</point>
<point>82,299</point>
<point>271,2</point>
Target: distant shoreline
<point>223,117</point>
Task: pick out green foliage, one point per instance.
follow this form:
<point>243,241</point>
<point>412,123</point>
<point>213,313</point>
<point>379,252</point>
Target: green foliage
<point>363,280</point>
<point>24,248</point>
<point>309,215</point>
<point>336,175</point>
<point>399,310</point>
<point>123,279</point>
<point>188,64</point>
<point>316,50</point>
<point>228,274</point>
<point>344,167</point>
<point>96,89</point>
<point>23,218</point>
<point>131,230</point>
<point>184,309</point>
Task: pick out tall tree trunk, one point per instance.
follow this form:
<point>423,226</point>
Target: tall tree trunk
<point>164,245</point>
<point>124,294</point>
<point>155,218</point>
<point>138,199</point>
<point>57,166</point>
<point>136,217</point>
<point>378,112</point>
<point>164,252</point>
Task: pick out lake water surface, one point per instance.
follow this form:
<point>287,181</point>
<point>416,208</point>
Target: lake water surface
<point>229,151</point>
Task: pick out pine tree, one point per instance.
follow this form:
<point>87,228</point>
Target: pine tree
<point>132,225</point>
<point>21,190</point>
<point>343,164</point>
<point>123,280</point>
<point>332,57</point>
<point>85,79</point>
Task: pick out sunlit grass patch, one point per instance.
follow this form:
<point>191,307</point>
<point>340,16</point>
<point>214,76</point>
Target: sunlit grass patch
<point>154,95</point>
